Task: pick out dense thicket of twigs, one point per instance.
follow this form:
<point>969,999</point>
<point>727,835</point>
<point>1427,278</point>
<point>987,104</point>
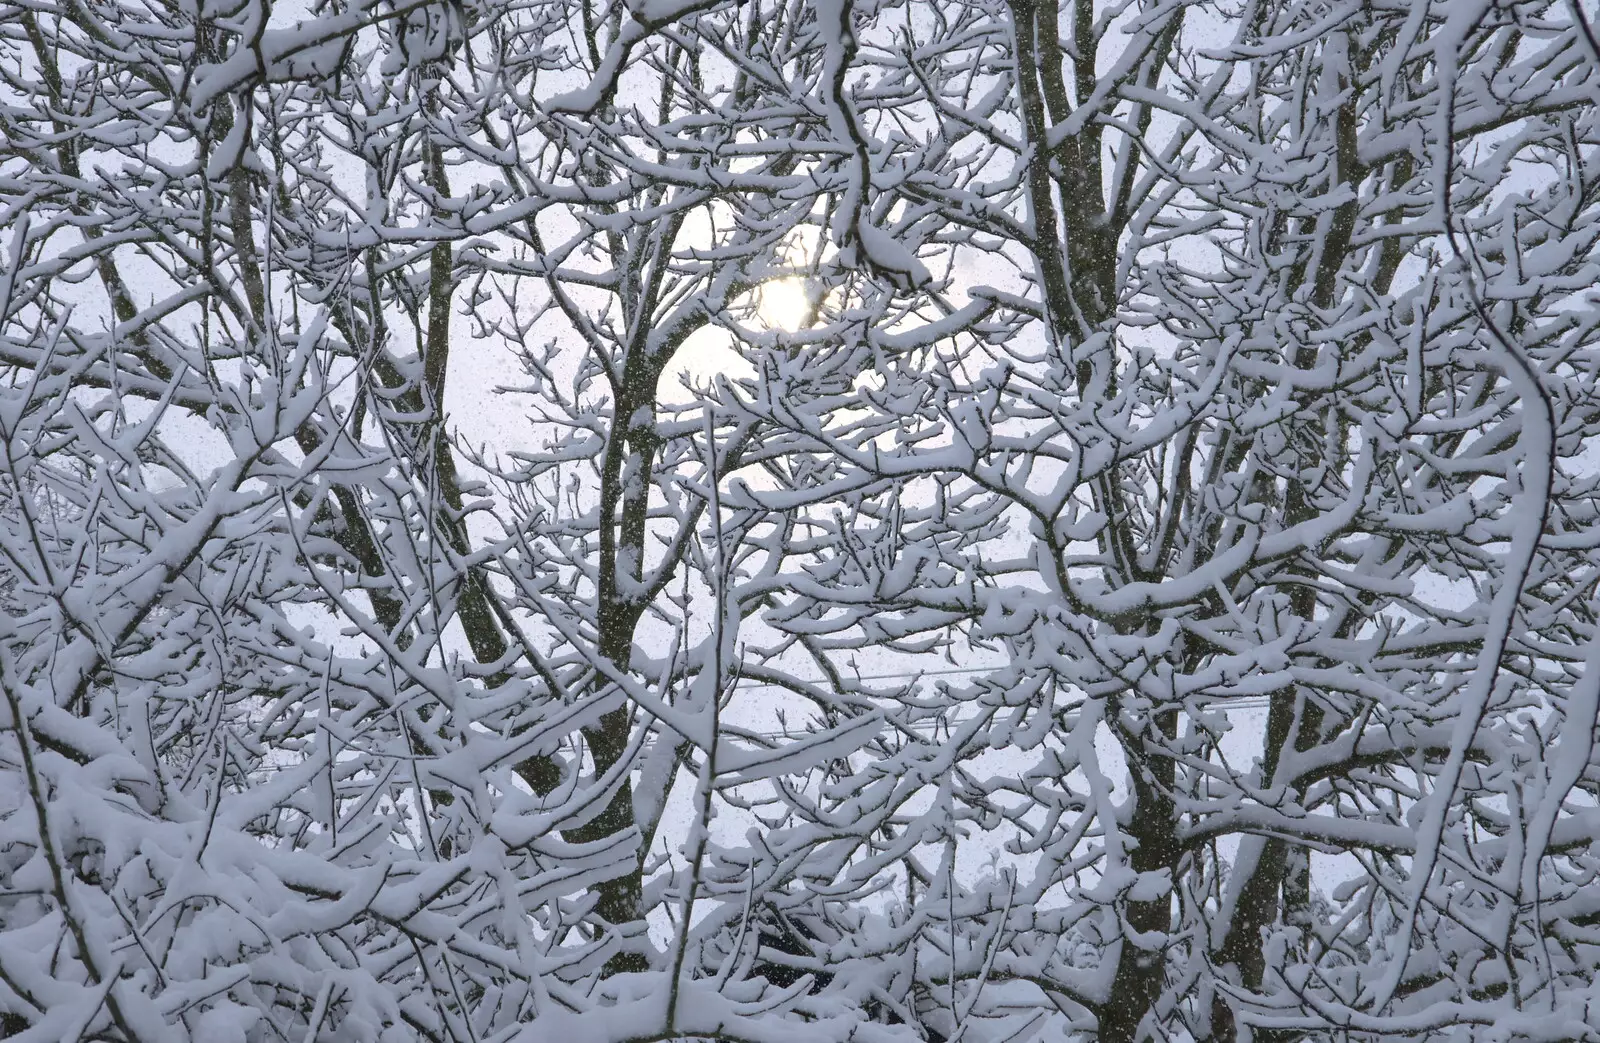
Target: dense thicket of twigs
<point>1146,593</point>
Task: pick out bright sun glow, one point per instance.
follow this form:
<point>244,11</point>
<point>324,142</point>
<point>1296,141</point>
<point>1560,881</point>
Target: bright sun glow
<point>784,304</point>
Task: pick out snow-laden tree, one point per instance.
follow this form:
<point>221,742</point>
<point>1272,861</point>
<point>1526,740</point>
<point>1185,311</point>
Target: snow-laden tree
<point>319,728</point>
<point>1206,389</point>
<point>1302,409</point>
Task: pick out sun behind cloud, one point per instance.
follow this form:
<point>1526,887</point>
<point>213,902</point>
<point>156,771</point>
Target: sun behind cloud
<point>785,304</point>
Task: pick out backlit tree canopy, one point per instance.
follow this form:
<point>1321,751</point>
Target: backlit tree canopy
<point>844,522</point>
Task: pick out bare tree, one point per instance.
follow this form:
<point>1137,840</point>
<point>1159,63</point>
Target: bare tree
<point>1291,383</point>
<point>1139,586</point>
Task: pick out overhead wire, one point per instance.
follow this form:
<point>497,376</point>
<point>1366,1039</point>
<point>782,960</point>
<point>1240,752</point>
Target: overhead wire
<point>1227,703</point>
<point>1242,702</point>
